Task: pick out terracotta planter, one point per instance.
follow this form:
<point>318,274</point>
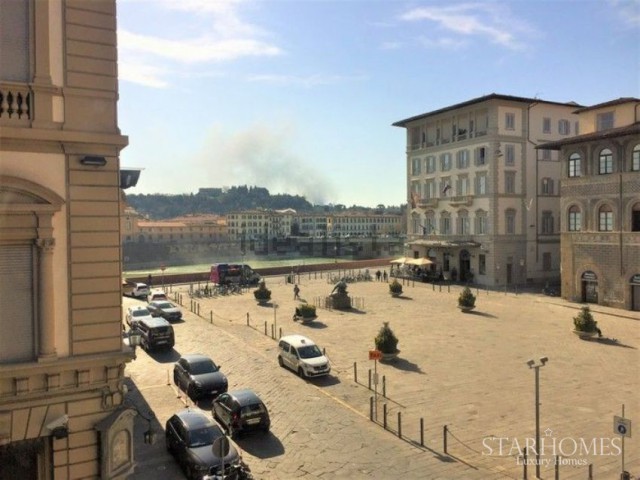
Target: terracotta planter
<point>395,294</point>
<point>389,357</point>
<point>465,308</point>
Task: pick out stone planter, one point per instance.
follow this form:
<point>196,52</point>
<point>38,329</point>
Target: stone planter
<point>465,308</point>
<point>389,357</point>
<point>308,319</point>
<point>263,301</point>
<point>585,335</point>
<point>395,294</point>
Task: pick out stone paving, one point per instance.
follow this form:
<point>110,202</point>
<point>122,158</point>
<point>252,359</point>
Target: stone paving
<point>464,370</point>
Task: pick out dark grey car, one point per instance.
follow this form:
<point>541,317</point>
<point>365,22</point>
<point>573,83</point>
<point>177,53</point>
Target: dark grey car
<point>199,376</point>
<point>165,309</point>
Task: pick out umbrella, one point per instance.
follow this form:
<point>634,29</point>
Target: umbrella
<point>399,261</point>
<point>418,261</point>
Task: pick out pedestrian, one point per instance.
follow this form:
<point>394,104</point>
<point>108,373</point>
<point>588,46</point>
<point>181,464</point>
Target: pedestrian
<point>149,280</point>
<point>384,276</point>
<point>296,292</point>
<point>378,274</point>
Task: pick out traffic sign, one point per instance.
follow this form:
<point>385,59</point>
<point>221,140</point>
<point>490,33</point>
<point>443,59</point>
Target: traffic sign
<point>220,447</point>
<point>622,426</point>
<point>375,354</point>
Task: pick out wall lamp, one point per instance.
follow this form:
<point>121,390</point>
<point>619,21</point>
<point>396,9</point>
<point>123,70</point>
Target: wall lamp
<point>93,161</point>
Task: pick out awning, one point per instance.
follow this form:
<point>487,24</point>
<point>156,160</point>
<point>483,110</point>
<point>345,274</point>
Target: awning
<point>445,243</point>
<point>418,261</point>
<point>399,261</point>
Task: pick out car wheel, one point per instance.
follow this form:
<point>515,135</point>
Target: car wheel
<point>280,362</point>
<point>301,372</point>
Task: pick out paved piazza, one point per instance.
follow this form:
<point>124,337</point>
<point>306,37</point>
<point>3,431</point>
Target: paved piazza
<point>465,371</point>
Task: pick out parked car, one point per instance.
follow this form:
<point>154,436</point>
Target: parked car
<point>135,314</point>
<point>189,435</point>
<point>135,290</point>
<point>303,356</point>
<point>156,334</point>
<point>157,294</point>
<point>241,411</point>
<point>199,376</point>
<point>165,309</point>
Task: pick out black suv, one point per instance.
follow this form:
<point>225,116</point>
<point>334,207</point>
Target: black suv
<point>157,333</point>
<point>241,411</point>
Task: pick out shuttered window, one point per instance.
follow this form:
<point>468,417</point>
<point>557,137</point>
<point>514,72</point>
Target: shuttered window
<point>17,337</point>
<point>14,41</point>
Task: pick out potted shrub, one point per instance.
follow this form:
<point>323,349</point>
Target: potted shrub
<point>584,324</point>
<point>262,293</point>
<point>395,288</point>
<point>387,342</point>
<point>466,300</point>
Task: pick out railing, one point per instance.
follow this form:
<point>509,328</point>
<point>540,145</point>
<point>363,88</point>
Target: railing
<point>16,102</point>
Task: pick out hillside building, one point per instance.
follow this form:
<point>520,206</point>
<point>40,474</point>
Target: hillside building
<point>484,203</point>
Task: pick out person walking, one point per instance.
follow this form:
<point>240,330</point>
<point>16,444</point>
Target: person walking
<point>296,292</point>
<point>384,276</point>
<point>378,274</point>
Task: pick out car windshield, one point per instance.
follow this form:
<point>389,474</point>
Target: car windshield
<point>204,366</point>
<point>309,351</point>
<point>164,305</point>
<point>203,436</point>
<point>143,312</point>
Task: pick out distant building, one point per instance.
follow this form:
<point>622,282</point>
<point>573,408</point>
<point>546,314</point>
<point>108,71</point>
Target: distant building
<point>482,203</point>
<point>600,205</point>
<point>62,354</point>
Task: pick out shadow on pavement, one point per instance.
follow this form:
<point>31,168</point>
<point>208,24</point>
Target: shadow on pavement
<point>481,314</point>
<point>171,356</point>
<point>314,324</point>
<point>261,445</point>
<point>613,341</point>
<point>406,365</point>
<point>325,381</point>
<point>404,297</point>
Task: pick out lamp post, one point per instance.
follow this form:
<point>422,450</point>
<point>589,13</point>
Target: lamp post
<point>536,367</point>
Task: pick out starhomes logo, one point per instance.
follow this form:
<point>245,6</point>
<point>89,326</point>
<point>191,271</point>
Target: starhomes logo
<point>565,450</point>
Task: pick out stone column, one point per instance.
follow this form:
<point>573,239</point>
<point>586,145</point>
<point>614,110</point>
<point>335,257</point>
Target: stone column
<point>46,314</point>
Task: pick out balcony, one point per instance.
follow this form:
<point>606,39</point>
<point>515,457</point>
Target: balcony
<point>428,202</point>
<point>461,200</point>
<point>16,100</point>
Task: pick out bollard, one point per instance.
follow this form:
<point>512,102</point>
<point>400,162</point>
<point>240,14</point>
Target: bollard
<point>280,334</point>
<point>324,351</point>
<point>384,416</point>
<point>557,467</point>
<point>444,438</point>
<point>371,408</point>
<point>524,464</point>
<point>265,327</point>
<point>448,288</point>
<point>400,424</point>
<point>384,386</point>
<point>273,331</point>
<point>369,379</point>
<point>422,432</point>
<point>247,319</point>
<point>210,316</point>
<point>590,471</point>
<point>168,378</point>
<point>355,372</point>
<point>439,288</point>
<point>434,286</point>
<point>198,305</point>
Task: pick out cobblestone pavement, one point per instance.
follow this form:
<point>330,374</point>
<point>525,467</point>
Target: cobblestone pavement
<point>465,371</point>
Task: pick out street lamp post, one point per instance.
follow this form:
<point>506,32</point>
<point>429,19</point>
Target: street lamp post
<point>536,367</point>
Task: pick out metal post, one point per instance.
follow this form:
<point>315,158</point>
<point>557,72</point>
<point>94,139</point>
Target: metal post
<point>400,424</point>
<point>265,327</point>
<point>273,331</point>
<point>247,319</point>
<point>422,432</point>
<point>355,371</point>
<point>371,408</point>
<point>444,438</point>
<point>384,386</point>
<point>280,334</point>
<point>375,385</point>
<point>384,416</point>
<point>590,471</point>
<point>210,316</point>
<point>524,464</point>
<point>369,379</point>
<point>537,369</point>
<point>557,467</point>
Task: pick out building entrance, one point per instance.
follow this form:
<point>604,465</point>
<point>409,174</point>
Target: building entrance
<point>635,292</point>
<point>589,287</point>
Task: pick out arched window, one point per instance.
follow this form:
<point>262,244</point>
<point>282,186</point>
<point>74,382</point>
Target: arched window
<point>605,219</point>
<point>635,218</point>
<point>445,223</point>
<point>575,219</point>
<point>605,162</point>
<point>575,165</point>
<point>635,159</point>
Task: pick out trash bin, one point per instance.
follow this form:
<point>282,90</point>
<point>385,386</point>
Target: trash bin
<point>625,475</point>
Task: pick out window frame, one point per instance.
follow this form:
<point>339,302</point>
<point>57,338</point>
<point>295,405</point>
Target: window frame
<point>574,165</point>
<point>605,161</point>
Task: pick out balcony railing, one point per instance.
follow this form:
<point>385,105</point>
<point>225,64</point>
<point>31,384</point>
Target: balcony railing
<point>16,102</point>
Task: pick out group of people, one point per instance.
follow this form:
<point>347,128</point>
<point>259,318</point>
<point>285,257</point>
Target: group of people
<point>382,276</point>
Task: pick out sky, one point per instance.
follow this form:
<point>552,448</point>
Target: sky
<point>298,96</point>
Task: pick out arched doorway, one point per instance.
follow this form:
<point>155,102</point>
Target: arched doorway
<point>589,287</point>
<point>635,292</point>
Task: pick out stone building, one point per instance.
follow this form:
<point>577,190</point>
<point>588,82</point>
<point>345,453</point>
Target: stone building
<point>484,205</point>
<point>62,354</point>
<point>600,205</point>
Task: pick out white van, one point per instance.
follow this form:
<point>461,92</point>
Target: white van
<point>157,294</point>
<point>302,356</point>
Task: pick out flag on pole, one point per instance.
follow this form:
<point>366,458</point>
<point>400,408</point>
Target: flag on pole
<point>446,188</point>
